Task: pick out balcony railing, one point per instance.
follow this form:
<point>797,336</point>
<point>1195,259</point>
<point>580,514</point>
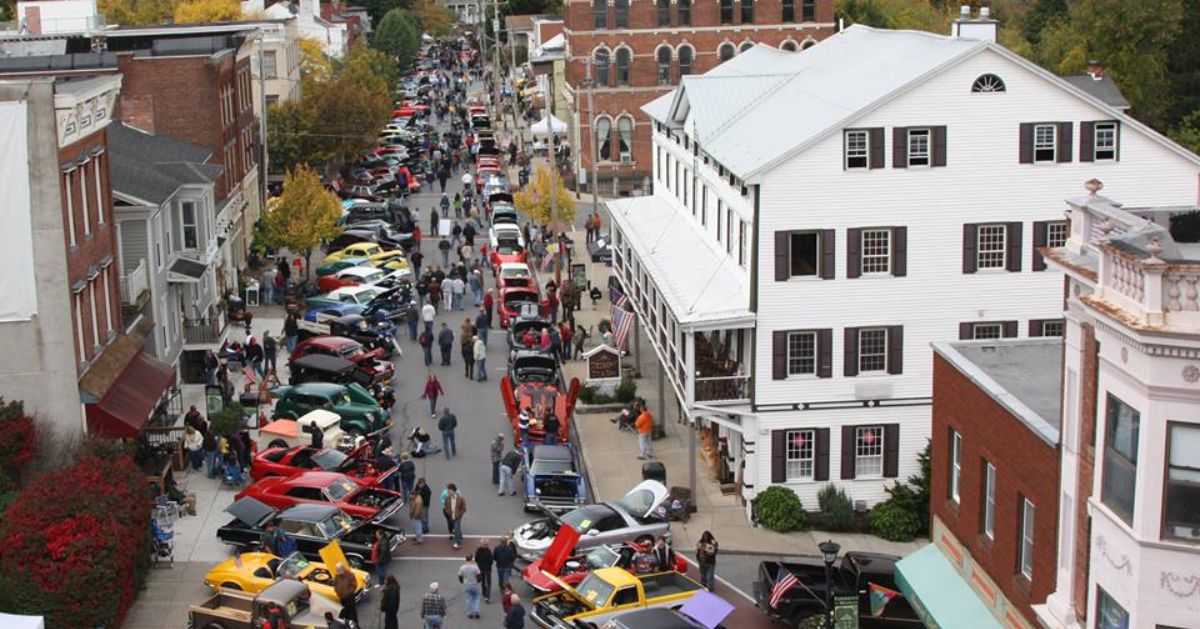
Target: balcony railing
<point>204,331</point>
<point>722,389</point>
<point>135,283</point>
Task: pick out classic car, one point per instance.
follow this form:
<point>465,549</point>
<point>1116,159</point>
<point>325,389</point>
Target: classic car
<point>504,214</point>
<point>539,398</point>
<point>334,267</point>
<point>529,321</point>
<point>229,609</point>
<point>360,191</point>
<point>312,526</point>
<point>357,295</point>
<point>608,592</point>
<point>514,274</point>
<point>312,487</point>
<point>360,413</point>
<point>507,251</point>
<point>510,300</point>
<point>495,184</point>
<point>704,610</point>
<point>353,276</point>
<point>377,334</point>
<point>369,361</point>
<point>289,461</point>
<point>255,572</point>
<point>534,365</point>
<point>293,433</point>
<point>570,567</point>
<point>637,517</point>
<point>391,261</point>
<point>552,479</point>
<point>853,574</point>
<point>505,232</point>
<point>323,368</point>
<point>356,250</point>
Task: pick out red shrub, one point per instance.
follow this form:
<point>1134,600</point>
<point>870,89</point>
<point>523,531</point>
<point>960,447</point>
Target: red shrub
<point>19,444</point>
<point>73,547</point>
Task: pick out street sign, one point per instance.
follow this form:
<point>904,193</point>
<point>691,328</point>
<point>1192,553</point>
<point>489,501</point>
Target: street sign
<point>845,612</point>
<point>603,363</point>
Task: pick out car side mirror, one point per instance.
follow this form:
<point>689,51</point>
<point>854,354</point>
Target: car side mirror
<point>593,532</point>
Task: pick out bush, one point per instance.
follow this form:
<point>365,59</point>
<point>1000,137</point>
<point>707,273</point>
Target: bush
<point>19,445</point>
<point>227,421</point>
<point>587,393</point>
<point>74,544</point>
<point>779,509</point>
<point>837,512</point>
<point>626,391</point>
<point>894,522</point>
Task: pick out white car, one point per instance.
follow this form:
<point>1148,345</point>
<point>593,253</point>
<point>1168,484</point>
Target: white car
<point>361,295</point>
<point>364,275</point>
<point>515,274</point>
<point>639,516</point>
<point>506,232</point>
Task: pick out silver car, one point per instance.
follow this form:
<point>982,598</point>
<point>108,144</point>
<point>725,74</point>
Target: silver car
<point>639,516</point>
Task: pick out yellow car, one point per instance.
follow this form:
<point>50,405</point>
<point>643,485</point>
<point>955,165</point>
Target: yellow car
<point>389,260</point>
<point>253,572</point>
<point>356,250</point>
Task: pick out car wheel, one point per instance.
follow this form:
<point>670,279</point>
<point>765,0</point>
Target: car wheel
<point>231,586</point>
<point>356,562</point>
<point>277,443</point>
<point>214,625</point>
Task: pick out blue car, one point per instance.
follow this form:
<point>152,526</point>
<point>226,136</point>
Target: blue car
<point>552,479</point>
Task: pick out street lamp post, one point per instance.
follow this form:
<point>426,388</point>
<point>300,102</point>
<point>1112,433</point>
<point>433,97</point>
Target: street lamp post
<point>829,552</point>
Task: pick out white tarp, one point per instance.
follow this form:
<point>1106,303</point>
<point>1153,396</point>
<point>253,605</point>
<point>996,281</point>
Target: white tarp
<point>548,126</point>
<point>8,621</point>
<point>554,44</point>
<point>18,293</point>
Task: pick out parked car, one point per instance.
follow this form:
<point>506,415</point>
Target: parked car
<point>313,487</point>
<point>608,592</point>
<point>853,574</point>
<point>357,295</point>
<point>292,433</point>
<point>510,301</point>
<point>505,232</point>
<point>552,479</point>
<point>356,250</point>
<point>369,360</point>
<point>534,365</point>
<point>514,274</point>
<point>359,412</point>
<point>570,566</point>
<point>312,527</point>
<point>289,461</point>
<point>228,609</point>
<point>353,276</point>
<point>704,610</point>
<point>637,517</point>
<point>376,335</point>
<point>504,214</point>
<point>255,572</point>
<point>507,251</point>
<point>338,265</point>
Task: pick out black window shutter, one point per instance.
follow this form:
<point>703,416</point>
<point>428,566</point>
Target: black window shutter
<point>1039,241</point>
<point>825,353</point>
<point>939,146</point>
<point>1065,133</point>
<point>895,349</point>
<point>1010,329</point>
<point>876,147</point>
<point>964,331</point>
<point>1035,327</point>
<point>1014,247</point>
<point>847,452</point>
<point>891,450</point>
<point>778,355</point>
<point>828,251</point>
<point>899,147</point>
<point>1026,143</point>
<point>850,352</point>
<point>1087,139</point>
<point>821,471</point>
<point>778,456</point>
<point>899,251</point>
<point>853,244</point>
<point>970,240</point>
<point>783,269</point>
<point>1118,154</point>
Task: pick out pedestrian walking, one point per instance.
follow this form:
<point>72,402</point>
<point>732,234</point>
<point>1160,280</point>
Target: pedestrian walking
<point>483,559</point>
<point>447,423</point>
<point>254,355</point>
<point>515,618</point>
<point>426,343</point>
<point>433,389</point>
<point>444,248</point>
<point>454,506</point>
<point>425,493</point>
<point>504,556</point>
<point>566,334</point>
<point>433,222</point>
<point>433,607</point>
<point>480,354</point>
<point>644,425</point>
<point>381,555</point>
<point>496,451</point>
<point>212,454</point>
<point>428,312</point>
<point>706,557</point>
<point>510,465</point>
<point>466,337</point>
<point>506,592</point>
<point>407,471</point>
<point>412,316</point>
<point>481,325</point>
<point>445,343</point>
<point>270,350</point>
<point>488,303</point>
<point>458,291</point>
<point>469,576</point>
<point>345,585</point>
<point>389,603</point>
<point>193,443</point>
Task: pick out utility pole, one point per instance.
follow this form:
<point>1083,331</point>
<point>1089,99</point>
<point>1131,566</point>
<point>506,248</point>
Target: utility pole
<point>554,228</point>
<point>591,88</point>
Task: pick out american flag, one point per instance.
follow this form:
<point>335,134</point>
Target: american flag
<point>783,583</point>
<point>622,323</point>
<point>617,298</point>
<point>251,375</point>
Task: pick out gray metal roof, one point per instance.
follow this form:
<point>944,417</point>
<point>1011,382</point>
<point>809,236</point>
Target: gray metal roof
<point>1103,88</point>
<point>152,167</point>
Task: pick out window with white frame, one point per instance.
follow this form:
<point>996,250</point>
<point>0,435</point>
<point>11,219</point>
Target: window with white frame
<point>1105,142</point>
<point>955,464</point>
<point>1027,519</point>
<point>876,251</point>
<point>918,147</point>
<point>79,343</point>
<point>269,65</point>
<point>1053,328</point>
<point>742,243</point>
<point>99,190</point>
<point>801,353</point>
<point>988,522</point>
<point>868,451</point>
<point>91,289</point>
<point>83,200</point>
<point>729,231</point>
<point>108,319</point>
<point>69,199</point>
<point>872,349</point>
<point>625,138</point>
<point>187,220</point>
<point>993,247</point>
<point>1045,142</point>
<point>987,330</point>
<point>1057,233</point>
<point>858,149</point>
<point>801,454</point>
<point>1181,519</point>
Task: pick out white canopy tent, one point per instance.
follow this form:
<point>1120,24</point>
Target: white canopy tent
<point>8,621</point>
<point>548,126</point>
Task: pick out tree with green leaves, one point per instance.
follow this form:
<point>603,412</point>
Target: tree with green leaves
<point>399,36</point>
<point>288,135</point>
<point>304,216</point>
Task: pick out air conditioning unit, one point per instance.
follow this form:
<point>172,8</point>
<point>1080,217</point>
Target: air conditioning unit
<point>626,159</point>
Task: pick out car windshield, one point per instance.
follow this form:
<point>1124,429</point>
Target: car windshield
<point>349,350</point>
<point>508,248</point>
<point>329,460</point>
<point>601,557</point>
<point>366,296</point>
<point>551,466</point>
<point>335,525</point>
<point>638,502</point>
<point>595,590</point>
<point>291,567</point>
<point>339,489</point>
<point>582,519</point>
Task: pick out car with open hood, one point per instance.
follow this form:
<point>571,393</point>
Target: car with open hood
<point>534,365</point>
<point>360,413</point>
<point>570,566</point>
<point>607,593</point>
<point>339,490</point>
<point>311,526</point>
<point>358,464</point>
<point>638,516</point>
<point>510,302</point>
<point>256,571</point>
<point>552,479</point>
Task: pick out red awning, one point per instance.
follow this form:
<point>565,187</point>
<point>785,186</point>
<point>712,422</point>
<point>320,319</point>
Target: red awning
<point>127,405</point>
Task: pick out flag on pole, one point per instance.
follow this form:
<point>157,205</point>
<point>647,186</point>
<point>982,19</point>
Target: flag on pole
<point>784,582</point>
<point>617,298</point>
<point>251,375</point>
<point>622,323</point>
<point>880,597</point>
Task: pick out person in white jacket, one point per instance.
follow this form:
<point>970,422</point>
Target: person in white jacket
<point>480,360</point>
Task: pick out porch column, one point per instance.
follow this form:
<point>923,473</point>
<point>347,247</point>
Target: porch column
<point>689,364</point>
<point>661,417</point>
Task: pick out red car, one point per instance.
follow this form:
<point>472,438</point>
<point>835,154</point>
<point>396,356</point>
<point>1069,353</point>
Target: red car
<point>488,162</point>
<point>509,300</point>
<point>571,569</point>
<point>506,252</point>
<point>482,175</point>
<point>291,461</point>
<point>369,361</point>
<point>326,488</point>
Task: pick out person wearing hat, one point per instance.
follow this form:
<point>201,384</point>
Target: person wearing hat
<point>433,607</point>
<point>385,461</point>
<point>497,453</point>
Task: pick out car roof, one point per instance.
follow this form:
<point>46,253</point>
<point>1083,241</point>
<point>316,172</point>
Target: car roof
<point>360,271</point>
<point>324,362</point>
<point>555,452</point>
<point>330,342</point>
<point>350,290</point>
<point>282,592</point>
<point>319,388</point>
<point>655,618</point>
<point>309,512</point>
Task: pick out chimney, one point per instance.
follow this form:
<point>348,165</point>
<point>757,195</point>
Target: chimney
<point>1095,69</point>
<point>981,28</point>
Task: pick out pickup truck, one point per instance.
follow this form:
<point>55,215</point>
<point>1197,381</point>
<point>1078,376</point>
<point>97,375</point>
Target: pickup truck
<point>228,609</point>
<point>607,592</point>
<point>854,574</point>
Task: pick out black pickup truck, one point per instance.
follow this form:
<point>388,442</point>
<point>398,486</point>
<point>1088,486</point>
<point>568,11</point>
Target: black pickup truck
<point>852,574</point>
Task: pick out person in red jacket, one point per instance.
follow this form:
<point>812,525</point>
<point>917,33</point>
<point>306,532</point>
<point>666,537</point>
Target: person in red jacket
<point>488,302</point>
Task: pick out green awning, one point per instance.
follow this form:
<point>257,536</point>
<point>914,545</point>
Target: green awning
<point>939,594</point>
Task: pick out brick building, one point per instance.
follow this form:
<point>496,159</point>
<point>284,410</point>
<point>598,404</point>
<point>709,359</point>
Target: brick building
<point>639,50</point>
<point>994,476</point>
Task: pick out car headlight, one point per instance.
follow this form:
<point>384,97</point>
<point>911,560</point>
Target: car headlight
<point>538,491</point>
<point>370,416</point>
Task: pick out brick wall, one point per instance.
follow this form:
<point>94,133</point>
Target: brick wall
<point>1026,467</point>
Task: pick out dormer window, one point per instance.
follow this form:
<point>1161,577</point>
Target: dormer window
<point>987,83</point>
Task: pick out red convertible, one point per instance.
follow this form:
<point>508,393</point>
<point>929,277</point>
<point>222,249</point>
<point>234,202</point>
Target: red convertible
<point>368,361</point>
<point>291,461</point>
<point>325,488</point>
<point>571,569</point>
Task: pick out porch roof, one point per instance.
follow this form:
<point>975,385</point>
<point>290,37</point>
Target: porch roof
<point>701,284</point>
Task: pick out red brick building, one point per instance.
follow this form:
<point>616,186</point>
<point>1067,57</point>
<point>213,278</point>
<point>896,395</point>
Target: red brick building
<point>995,468</point>
<point>638,50</point>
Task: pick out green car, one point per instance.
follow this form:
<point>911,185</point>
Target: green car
<point>359,411</point>
<point>334,267</point>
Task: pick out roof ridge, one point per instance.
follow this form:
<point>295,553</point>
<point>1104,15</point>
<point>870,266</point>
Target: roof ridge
<point>753,101</point>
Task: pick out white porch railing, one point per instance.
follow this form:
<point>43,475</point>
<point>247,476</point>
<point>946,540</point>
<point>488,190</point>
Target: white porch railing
<point>134,283</point>
<point>722,389</point>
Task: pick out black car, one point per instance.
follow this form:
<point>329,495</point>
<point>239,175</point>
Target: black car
<point>326,368</point>
<point>600,251</point>
<point>520,324</point>
<point>852,575</point>
<point>534,365</point>
<point>353,326</point>
<point>312,527</point>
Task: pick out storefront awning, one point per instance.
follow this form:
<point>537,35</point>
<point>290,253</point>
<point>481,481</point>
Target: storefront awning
<point>126,407</point>
<point>939,594</point>
<point>185,271</point>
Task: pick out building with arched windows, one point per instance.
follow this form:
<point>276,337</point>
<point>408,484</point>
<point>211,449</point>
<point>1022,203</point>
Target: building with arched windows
<point>633,51</point>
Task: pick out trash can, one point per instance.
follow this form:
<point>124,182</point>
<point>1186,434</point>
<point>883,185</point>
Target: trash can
<point>654,470</point>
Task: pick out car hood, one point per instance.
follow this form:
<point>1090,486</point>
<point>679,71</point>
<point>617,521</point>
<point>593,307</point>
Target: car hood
<point>250,511</point>
<point>560,549</point>
<point>644,499</point>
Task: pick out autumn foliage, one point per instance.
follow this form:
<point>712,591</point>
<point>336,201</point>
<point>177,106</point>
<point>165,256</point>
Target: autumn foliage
<point>304,215</point>
<point>534,199</point>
